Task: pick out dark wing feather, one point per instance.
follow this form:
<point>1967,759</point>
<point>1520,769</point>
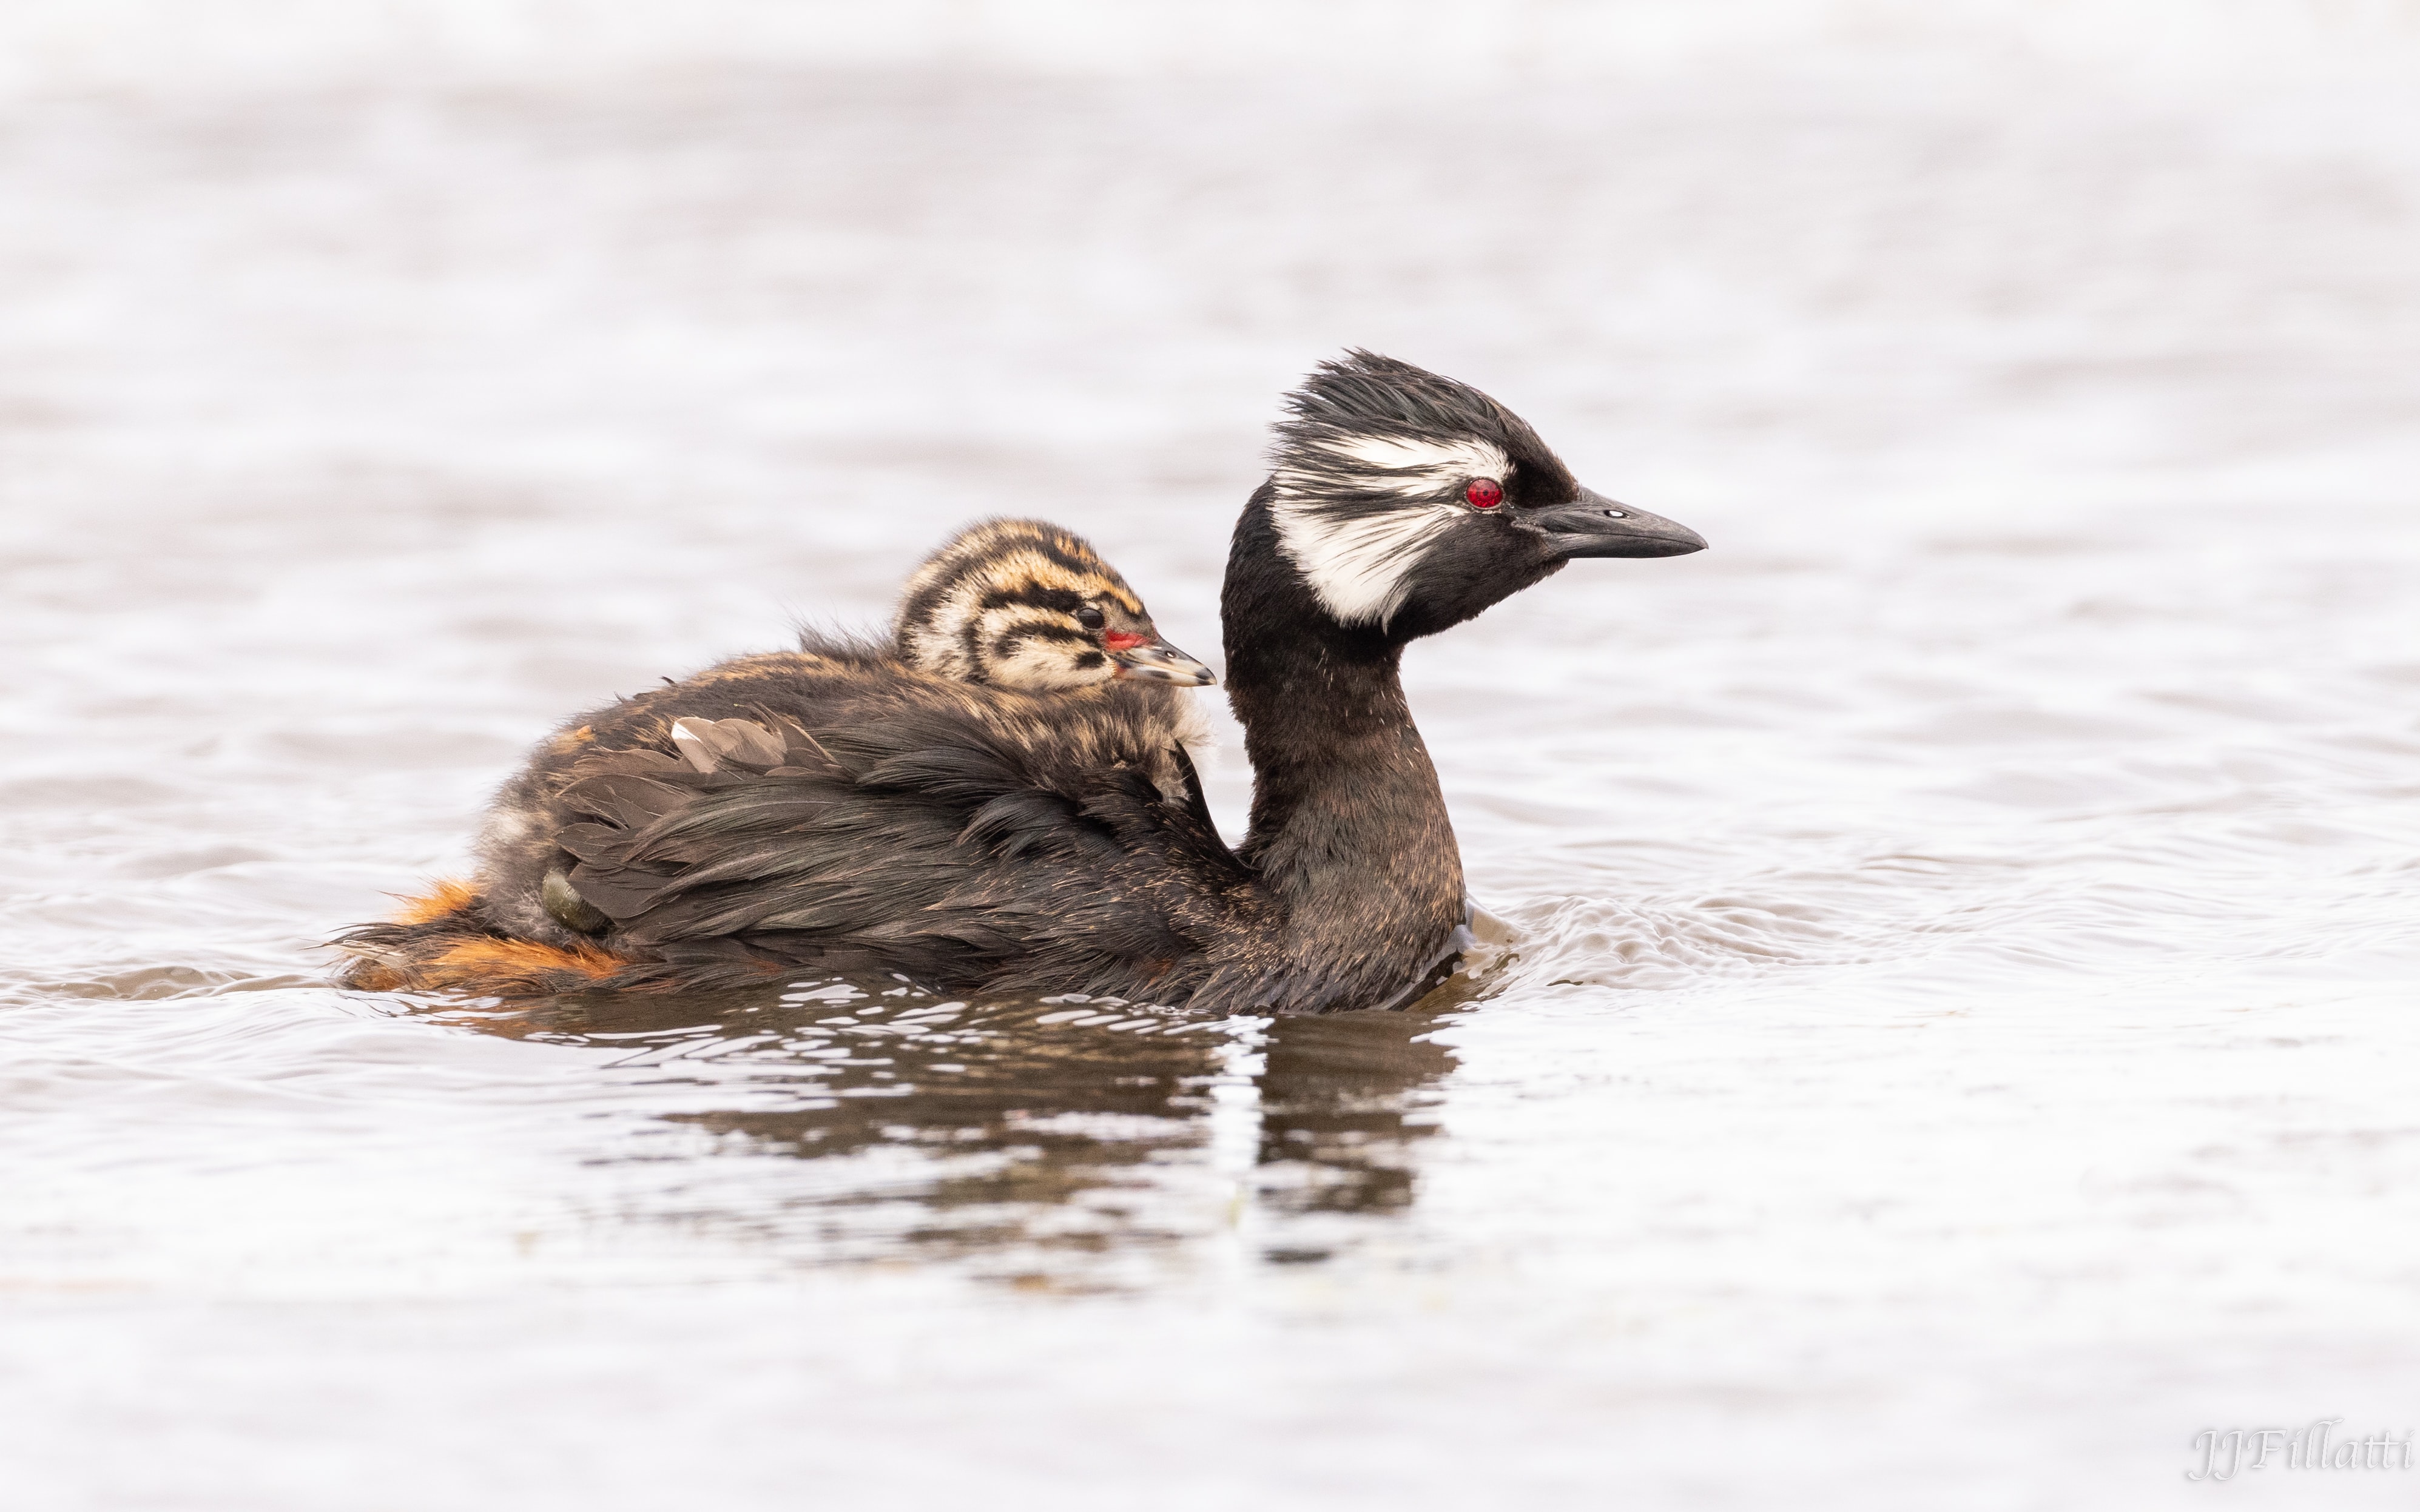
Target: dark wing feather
<point>920,839</point>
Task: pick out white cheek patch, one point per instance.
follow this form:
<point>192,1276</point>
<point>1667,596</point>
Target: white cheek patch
<point>1358,556</point>
<point>1358,563</point>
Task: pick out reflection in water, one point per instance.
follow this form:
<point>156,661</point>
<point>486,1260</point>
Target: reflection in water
<point>1059,1126</point>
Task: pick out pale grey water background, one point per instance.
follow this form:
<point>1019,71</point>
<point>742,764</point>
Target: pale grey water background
<point>1962,1039</point>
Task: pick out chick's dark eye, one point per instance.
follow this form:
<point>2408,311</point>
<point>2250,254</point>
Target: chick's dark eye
<point>1090,618</point>
<point>1484,493</point>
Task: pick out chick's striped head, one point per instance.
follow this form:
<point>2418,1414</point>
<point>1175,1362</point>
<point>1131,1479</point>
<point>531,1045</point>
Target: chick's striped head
<point>1024,605</point>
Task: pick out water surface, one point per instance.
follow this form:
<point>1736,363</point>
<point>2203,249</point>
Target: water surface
<point>1956,1038</point>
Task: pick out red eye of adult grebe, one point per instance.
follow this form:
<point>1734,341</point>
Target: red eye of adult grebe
<point>1484,493</point>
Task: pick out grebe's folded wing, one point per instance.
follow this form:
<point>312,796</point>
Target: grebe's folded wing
<point>938,847</point>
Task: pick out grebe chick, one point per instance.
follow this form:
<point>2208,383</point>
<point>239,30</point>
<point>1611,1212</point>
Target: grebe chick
<point>842,813</point>
<point>1023,603</point>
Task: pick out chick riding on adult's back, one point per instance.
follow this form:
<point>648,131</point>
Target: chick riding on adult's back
<point>848,813</point>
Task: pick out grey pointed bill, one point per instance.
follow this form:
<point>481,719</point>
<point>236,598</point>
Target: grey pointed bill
<point>1156,661</point>
<point>1595,526</point>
